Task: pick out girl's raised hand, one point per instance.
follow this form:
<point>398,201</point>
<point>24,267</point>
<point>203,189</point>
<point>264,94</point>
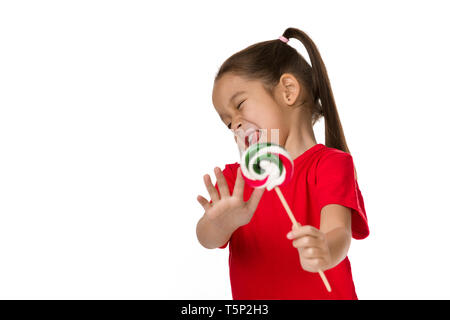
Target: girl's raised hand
<point>228,209</point>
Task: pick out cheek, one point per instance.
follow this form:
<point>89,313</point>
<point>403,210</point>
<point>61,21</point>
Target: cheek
<point>263,117</point>
<point>267,117</point>
<point>273,126</point>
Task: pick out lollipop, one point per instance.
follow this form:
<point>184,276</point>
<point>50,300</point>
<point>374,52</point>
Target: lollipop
<point>266,165</point>
<point>269,165</point>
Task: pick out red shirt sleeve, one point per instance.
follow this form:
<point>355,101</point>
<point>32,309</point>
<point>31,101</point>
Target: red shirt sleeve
<point>336,184</point>
<point>228,174</point>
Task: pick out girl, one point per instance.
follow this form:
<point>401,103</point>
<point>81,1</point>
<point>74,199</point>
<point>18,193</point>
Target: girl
<point>270,86</point>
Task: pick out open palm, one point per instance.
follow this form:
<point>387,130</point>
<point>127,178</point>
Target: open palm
<point>226,208</point>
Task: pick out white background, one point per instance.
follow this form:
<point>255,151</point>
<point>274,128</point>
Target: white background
<point>107,127</point>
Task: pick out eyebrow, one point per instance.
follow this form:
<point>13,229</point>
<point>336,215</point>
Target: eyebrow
<point>233,97</point>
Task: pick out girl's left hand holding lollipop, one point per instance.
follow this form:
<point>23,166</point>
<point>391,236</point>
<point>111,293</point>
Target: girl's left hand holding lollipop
<point>312,246</point>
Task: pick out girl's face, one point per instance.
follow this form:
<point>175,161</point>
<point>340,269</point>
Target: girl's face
<point>245,108</point>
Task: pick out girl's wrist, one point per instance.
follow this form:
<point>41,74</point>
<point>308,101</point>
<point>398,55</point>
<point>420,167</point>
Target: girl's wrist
<point>222,224</point>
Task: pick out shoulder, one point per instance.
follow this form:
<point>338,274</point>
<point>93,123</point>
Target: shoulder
<point>334,162</point>
<point>333,152</point>
<point>333,157</point>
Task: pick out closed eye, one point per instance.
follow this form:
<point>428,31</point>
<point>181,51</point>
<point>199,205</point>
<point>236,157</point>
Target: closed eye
<point>238,107</point>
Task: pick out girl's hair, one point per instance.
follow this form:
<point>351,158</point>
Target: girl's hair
<point>266,61</point>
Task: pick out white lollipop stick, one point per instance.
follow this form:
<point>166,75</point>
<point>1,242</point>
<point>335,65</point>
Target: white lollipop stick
<point>296,224</point>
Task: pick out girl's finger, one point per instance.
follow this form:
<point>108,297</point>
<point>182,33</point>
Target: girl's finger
<point>306,242</point>
<point>312,252</point>
<point>211,189</point>
<point>239,185</point>
<point>252,203</point>
<point>204,203</point>
<point>302,231</point>
<point>222,183</point>
<point>315,262</point>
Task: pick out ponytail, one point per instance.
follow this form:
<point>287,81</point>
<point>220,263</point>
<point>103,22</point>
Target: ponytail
<point>322,93</point>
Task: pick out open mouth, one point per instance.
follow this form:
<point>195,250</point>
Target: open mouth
<point>252,138</point>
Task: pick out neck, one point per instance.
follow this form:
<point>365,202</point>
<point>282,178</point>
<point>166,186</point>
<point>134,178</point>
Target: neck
<point>300,137</point>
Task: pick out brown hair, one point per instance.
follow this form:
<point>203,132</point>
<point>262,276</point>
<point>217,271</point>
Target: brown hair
<point>268,60</point>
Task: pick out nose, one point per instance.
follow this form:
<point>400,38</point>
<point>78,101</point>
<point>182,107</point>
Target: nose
<point>239,124</point>
<point>238,131</point>
<point>236,128</point>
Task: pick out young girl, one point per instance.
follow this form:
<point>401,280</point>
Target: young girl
<point>270,86</point>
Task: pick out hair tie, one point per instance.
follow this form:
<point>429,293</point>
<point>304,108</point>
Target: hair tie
<point>284,39</point>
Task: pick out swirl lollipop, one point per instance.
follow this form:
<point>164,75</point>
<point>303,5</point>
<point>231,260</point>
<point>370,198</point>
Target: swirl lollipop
<point>269,165</point>
<point>266,165</point>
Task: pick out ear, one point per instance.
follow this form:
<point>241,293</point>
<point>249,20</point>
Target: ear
<point>290,89</point>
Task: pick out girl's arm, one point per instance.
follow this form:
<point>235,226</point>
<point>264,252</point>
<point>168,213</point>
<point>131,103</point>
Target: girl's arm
<point>325,248</point>
<point>211,235</point>
<point>336,223</point>
<point>225,212</point>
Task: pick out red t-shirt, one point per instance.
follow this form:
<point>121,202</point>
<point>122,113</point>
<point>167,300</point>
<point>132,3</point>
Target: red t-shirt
<point>263,264</point>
